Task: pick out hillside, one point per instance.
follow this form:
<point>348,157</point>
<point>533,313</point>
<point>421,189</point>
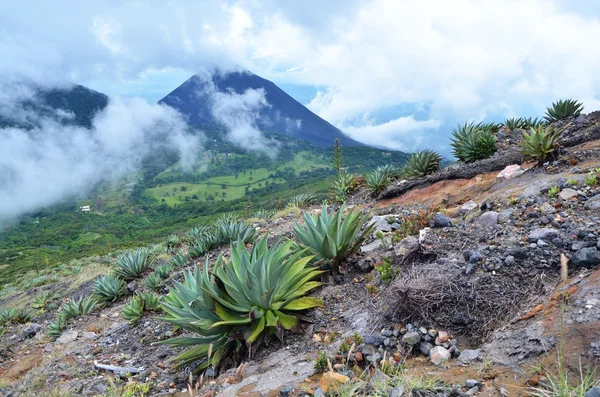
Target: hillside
<point>479,279</point>
<point>284,115</point>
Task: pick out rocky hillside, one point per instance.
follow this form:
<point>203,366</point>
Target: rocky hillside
<point>481,279</point>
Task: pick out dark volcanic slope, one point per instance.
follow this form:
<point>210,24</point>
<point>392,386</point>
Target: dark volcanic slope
<point>281,116</point>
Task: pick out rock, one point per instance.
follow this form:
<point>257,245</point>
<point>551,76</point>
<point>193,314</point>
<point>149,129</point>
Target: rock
<point>546,208</point>
<point>545,233</point>
<point>475,257</point>
<point>397,391</point>
<point>406,246</point>
<point>285,391</point>
<point>510,172</point>
<point>425,347</point>
<point>381,224</point>
<point>376,340</point>
<point>593,392</point>
<point>439,355</point>
<point>593,203</point>
<point>48,348</point>
<point>318,392</point>
<point>488,219</point>
<point>468,207</point>
<point>470,268</point>
<point>132,287</point>
<point>442,337</point>
<point>89,335</point>
<point>67,337</point>
<point>371,247</point>
<point>586,257</point>
<point>441,220</point>
<point>472,383</point>
<point>505,215</point>
<point>332,381</point>
<point>568,194</point>
<point>31,330</point>
<point>509,260</point>
<point>358,356</point>
<point>411,338</point>
<point>379,379</point>
<point>469,355</point>
<point>514,346</point>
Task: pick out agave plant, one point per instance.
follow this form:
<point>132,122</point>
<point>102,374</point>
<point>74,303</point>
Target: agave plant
<point>421,164</point>
<point>331,236</point>
<point>178,260</point>
<point>131,265</point>
<point>472,142</point>
<point>302,200</point>
<point>153,281</point>
<point>228,231</point>
<point>42,300</point>
<point>108,288</point>
<point>263,214</point>
<point>539,143</point>
<point>343,186</point>
<point>56,328</point>
<point>78,307</point>
<point>163,271</point>
<point>247,298</point>
<point>138,304</point>
<point>14,316</point>
<point>377,181</point>
<point>200,247</point>
<point>198,232</point>
<point>390,171</point>
<point>563,109</point>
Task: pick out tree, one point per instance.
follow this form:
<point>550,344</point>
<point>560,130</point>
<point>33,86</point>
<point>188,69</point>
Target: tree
<point>338,157</point>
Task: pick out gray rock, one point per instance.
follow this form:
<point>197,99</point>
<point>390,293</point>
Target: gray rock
<point>546,208</point>
<point>319,392</point>
<point>514,346</point>
<point>425,348</point>
<point>381,224</point>
<point>31,330</point>
<point>371,247</point>
<point>488,219</point>
<point>132,287</point>
<point>397,391</point>
<point>67,337</point>
<point>510,172</point>
<point>475,257</point>
<point>505,215</point>
<point>376,340</point>
<point>593,392</point>
<point>586,257</point>
<point>472,383</point>
<point>593,203</point>
<point>285,391</point>
<point>439,355</point>
<point>411,338</point>
<point>441,220</point>
<point>468,207</point>
<point>470,269</point>
<point>545,233</point>
<point>48,348</point>
<point>406,246</point>
<point>466,356</point>
<point>509,260</point>
<point>567,194</point>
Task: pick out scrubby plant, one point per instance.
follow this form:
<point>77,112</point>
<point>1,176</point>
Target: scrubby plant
<point>413,223</point>
<point>331,236</point>
<point>421,164</point>
<point>539,143</point>
<point>178,260</point>
<point>572,181</point>
<point>591,180</point>
<point>153,281</point>
<point>386,270</point>
<point>563,109</point>
<point>74,308</point>
<point>131,265</point>
<point>553,191</point>
<point>472,142</point>
<point>14,316</point>
<point>173,241</point>
<point>138,304</point>
<point>376,181</point>
<point>302,200</point>
<point>42,300</point>
<point>343,187</point>
<point>246,299</point>
<point>108,288</point>
<point>163,271</point>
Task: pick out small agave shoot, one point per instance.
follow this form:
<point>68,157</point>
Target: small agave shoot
<point>247,298</point>
<point>563,109</point>
<point>421,164</point>
<point>331,237</point>
<point>540,143</point>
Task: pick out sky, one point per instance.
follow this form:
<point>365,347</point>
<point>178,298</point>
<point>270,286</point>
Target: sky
<point>392,73</point>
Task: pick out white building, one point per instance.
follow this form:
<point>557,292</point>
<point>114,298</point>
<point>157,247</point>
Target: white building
<point>85,208</point>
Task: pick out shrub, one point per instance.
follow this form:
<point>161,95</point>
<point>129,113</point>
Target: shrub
<point>572,181</point>
<point>173,241</point>
<point>56,328</point>
<point>178,260</point>
<point>108,288</point>
<point>200,247</point>
<point>80,307</point>
<point>302,200</point>
<point>422,163</point>
<point>472,142</point>
<point>563,109</point>
<point>591,180</point>
<point>14,316</point>
<point>553,191</point>
<point>412,224</point>
<point>263,214</point>
<point>331,236</point>
<point>385,270</point>
<point>42,300</point>
<point>131,265</point>
<point>522,123</point>
<point>153,281</point>
<point>198,232</point>
<point>227,307</point>
<point>343,187</point>
<point>138,304</point>
<point>539,143</point>
<point>163,271</point>
<point>377,181</point>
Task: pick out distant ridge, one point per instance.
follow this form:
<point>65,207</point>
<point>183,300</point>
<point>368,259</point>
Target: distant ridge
<point>285,115</point>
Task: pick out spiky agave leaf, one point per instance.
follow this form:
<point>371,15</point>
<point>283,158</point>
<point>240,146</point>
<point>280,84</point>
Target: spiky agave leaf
<point>343,186</point>
<point>74,308</point>
<point>41,301</point>
<point>539,143</point>
<point>131,265</point>
<point>563,109</point>
<point>331,236</point>
<point>14,315</point>
<point>421,164</point>
<point>302,200</point>
<point>178,260</point>
<point>108,288</point>
<point>472,142</point>
<point>377,181</point>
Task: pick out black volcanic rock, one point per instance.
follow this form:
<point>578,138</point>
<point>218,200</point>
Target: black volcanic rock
<point>194,100</point>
